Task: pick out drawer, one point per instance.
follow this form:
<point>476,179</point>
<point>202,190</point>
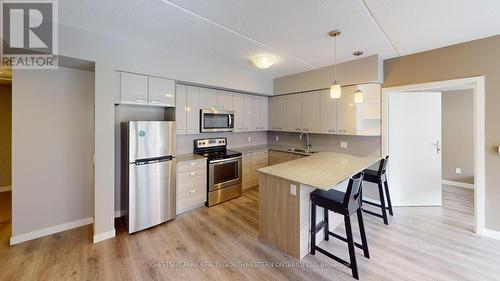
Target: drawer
<point>191,190</point>
<point>191,165</point>
<point>195,196</point>
<point>192,178</point>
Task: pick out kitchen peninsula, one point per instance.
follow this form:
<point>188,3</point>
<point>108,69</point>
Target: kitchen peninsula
<point>284,204</point>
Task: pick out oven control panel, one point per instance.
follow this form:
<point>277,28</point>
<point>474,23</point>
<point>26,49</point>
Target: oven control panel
<point>208,143</point>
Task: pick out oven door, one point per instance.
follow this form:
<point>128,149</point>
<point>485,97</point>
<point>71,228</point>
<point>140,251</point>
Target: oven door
<point>216,121</point>
<point>224,173</point>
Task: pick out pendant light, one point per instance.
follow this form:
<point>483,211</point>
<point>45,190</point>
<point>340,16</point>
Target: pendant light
<point>358,96</point>
<point>335,89</point>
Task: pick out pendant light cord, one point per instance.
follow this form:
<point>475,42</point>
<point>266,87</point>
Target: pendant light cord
<point>335,58</point>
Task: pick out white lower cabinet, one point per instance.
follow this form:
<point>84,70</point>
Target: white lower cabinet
<point>191,187</point>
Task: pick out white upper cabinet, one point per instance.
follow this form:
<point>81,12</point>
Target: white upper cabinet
<point>328,111</point>
<point>192,110</point>
<point>264,109</point>
<point>281,116</point>
<point>369,112</point>
<point>273,113</point>
<point>180,109</point>
<point>239,113</point>
<point>224,100</point>
<point>347,114</point>
<point>248,113</point>
<point>311,112</point>
<point>161,92</point>
<point>208,98</point>
<point>259,113</point>
<point>134,88</point>
<point>294,113</point>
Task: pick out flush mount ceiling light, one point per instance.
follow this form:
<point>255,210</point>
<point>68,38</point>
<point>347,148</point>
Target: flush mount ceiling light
<point>335,89</point>
<point>262,61</point>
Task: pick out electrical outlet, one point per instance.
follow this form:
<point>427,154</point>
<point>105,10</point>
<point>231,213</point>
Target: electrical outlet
<point>343,144</point>
<point>277,138</point>
<point>458,170</point>
<point>249,139</point>
<point>293,189</point>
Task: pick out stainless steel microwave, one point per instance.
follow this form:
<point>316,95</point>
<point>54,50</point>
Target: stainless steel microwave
<point>216,121</point>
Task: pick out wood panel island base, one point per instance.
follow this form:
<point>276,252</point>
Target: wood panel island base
<point>284,202</point>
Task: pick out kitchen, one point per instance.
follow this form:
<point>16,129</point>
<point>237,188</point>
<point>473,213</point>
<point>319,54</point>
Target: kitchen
<point>207,145</point>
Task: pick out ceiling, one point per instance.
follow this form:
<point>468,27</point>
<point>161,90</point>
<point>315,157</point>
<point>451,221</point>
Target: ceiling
<point>295,31</point>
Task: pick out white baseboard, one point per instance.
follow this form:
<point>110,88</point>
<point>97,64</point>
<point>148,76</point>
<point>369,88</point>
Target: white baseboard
<point>104,236</point>
<point>492,234</point>
<point>49,230</point>
<point>5,188</point>
<point>458,184</point>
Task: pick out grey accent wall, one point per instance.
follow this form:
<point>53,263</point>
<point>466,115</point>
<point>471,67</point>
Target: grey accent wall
<point>53,147</point>
<point>458,135</point>
<point>5,134</point>
<point>363,70</point>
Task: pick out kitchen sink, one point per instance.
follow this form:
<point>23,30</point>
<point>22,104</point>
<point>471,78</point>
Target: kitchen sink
<point>299,150</point>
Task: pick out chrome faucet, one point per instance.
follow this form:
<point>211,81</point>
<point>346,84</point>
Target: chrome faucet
<point>307,144</point>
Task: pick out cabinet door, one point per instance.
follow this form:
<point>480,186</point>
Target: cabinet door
<point>248,111</point>
<point>294,113</point>
<point>161,92</point>
<point>273,114</point>
<point>225,100</point>
<point>328,110</point>
<point>134,88</point>
<point>281,113</point>
<point>258,114</point>
<point>246,171</point>
<point>346,112</point>
<point>311,112</point>
<point>192,110</point>
<point>180,109</point>
<point>264,103</point>
<point>273,158</point>
<point>208,98</point>
<point>238,113</point>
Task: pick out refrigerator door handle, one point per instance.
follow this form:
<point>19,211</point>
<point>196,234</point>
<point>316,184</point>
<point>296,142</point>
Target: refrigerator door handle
<point>154,160</point>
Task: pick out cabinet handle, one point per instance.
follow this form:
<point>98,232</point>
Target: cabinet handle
<point>140,100</point>
<point>180,131</point>
<point>154,101</point>
<point>193,164</point>
<point>193,191</point>
<point>193,174</point>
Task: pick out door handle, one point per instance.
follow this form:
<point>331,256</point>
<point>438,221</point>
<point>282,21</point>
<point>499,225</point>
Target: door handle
<point>438,149</point>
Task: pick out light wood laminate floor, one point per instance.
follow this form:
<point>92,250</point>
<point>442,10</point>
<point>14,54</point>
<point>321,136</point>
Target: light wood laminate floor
<point>421,243</point>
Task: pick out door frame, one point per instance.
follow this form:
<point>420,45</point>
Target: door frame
<point>478,84</point>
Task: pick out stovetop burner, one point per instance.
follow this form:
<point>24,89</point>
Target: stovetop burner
<point>214,149</point>
<point>216,155</point>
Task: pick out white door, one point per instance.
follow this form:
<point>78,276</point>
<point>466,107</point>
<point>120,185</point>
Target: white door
<point>224,100</point>
<point>192,110</point>
<point>294,113</point>
<point>248,113</point>
<point>281,113</point>
<point>414,148</point>
<point>238,112</point>
<point>311,112</point>
<point>208,98</point>
<point>161,92</point>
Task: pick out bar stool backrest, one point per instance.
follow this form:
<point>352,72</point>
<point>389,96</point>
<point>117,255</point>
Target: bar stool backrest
<point>352,198</point>
<point>382,168</point>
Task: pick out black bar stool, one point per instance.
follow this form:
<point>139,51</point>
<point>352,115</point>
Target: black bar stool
<point>380,178</point>
<point>346,204</point>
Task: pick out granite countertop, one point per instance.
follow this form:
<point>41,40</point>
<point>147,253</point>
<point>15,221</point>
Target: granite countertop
<point>188,157</point>
<point>322,170</point>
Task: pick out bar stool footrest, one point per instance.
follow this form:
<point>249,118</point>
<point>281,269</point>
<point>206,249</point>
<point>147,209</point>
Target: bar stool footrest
<point>337,259</point>
<point>373,214</point>
<point>345,239</point>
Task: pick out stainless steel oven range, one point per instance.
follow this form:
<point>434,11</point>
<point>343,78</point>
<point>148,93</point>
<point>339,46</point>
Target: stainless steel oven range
<point>224,169</point>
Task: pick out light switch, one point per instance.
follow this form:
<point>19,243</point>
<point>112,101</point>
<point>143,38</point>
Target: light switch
<point>277,138</point>
<point>293,189</point>
<point>458,170</point>
<point>249,139</point>
<point>343,144</point>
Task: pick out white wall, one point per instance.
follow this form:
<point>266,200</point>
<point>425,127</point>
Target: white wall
<point>53,145</point>
<point>112,54</point>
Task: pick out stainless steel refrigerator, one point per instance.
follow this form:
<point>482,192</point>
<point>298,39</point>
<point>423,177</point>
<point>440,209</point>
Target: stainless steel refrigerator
<point>148,149</point>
